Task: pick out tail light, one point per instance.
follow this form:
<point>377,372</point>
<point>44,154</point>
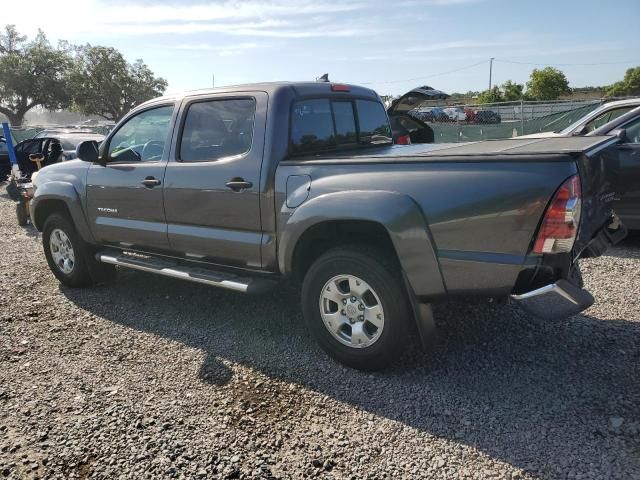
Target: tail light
<point>403,140</point>
<point>561,220</point>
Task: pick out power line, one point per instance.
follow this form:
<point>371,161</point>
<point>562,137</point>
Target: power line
<point>561,64</point>
<point>427,76</point>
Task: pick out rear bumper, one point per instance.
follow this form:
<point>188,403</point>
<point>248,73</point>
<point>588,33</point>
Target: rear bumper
<point>555,301</point>
<point>562,298</point>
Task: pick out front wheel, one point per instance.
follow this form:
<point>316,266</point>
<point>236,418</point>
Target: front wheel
<point>67,254</point>
<point>356,307</point>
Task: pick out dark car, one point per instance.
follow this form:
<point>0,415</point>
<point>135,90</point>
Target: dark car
<point>486,117</point>
<point>627,127</point>
<point>68,143</point>
<point>5,164</point>
<point>407,122</point>
<point>407,129</point>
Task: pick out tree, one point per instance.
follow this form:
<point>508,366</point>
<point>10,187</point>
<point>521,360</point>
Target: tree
<point>105,84</point>
<point>630,84</point>
<point>31,74</point>
<point>547,84</point>
<point>491,96</point>
<point>512,91</point>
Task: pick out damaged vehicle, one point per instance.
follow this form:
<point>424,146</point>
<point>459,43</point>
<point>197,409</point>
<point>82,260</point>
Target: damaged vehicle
<point>242,187</point>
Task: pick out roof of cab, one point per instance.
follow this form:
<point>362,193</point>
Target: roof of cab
<point>300,89</point>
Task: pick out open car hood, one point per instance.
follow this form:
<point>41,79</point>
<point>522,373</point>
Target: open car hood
<point>414,98</point>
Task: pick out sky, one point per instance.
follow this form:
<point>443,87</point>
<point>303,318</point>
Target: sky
<point>391,47</point>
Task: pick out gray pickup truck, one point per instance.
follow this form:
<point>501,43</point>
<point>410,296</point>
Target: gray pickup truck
<point>241,187</point>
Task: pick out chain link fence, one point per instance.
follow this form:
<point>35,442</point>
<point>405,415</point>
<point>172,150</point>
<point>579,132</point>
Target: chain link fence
<point>472,122</point>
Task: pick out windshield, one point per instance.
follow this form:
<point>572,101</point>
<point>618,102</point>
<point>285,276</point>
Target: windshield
<point>596,118</point>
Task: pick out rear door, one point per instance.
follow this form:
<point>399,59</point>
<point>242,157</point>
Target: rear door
<point>627,204</point>
<point>125,198</point>
<point>212,182</point>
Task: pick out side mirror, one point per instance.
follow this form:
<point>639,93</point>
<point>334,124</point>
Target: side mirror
<point>88,151</point>
<point>621,134</point>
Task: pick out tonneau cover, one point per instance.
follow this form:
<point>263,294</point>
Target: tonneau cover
<point>485,150</point>
<point>524,146</point>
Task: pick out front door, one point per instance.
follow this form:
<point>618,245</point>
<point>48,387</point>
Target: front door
<point>124,198</point>
<point>628,191</point>
<point>212,182</point>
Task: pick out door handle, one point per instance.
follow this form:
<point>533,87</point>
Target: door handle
<point>150,182</point>
<point>238,184</point>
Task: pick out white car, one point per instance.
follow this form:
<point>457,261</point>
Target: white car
<point>455,113</point>
<point>595,119</point>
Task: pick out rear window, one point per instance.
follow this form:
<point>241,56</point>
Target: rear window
<point>319,125</point>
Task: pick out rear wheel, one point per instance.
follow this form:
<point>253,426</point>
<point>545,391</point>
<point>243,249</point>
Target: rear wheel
<point>356,307</point>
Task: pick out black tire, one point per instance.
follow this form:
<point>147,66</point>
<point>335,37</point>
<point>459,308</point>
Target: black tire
<point>21,213</point>
<point>382,274</point>
<point>86,271</point>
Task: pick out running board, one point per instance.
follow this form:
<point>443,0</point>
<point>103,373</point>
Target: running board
<point>176,269</point>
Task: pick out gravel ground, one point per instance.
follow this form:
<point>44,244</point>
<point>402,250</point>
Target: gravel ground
<point>154,378</point>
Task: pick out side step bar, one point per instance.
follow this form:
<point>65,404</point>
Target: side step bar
<point>175,269</point>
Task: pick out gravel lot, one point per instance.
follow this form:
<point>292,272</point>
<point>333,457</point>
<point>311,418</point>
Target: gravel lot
<point>154,378</point>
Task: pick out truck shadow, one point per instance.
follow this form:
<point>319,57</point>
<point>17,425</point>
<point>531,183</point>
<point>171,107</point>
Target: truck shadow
<point>533,394</point>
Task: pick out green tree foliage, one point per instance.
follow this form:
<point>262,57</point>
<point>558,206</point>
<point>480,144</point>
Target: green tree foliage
<point>491,96</point>
<point>512,91</point>
<point>105,84</point>
<point>547,84</point>
<point>507,92</point>
<point>31,74</point>
<point>630,84</point>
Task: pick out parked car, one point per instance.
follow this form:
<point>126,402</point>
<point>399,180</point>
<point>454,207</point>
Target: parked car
<point>455,114</point>
<point>5,163</point>
<point>405,125</point>
<point>54,132</point>
<point>487,117</point>
<point>593,120</point>
<point>627,161</point>
<point>430,114</point>
<point>206,187</point>
<point>407,130</point>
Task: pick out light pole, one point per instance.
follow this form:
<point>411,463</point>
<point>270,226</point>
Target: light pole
<point>213,80</point>
<point>490,70</point>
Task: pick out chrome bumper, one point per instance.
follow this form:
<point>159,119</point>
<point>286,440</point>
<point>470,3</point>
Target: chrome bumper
<point>558,300</point>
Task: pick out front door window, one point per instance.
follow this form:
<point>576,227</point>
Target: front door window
<point>142,138</point>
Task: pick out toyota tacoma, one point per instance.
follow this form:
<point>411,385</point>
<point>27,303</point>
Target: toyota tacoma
<point>241,187</point>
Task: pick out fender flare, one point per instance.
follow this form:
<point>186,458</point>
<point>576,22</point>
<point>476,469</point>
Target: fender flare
<point>399,214</point>
<point>65,192</point>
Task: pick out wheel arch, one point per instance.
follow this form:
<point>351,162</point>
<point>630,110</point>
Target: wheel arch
<point>61,197</point>
<point>385,219</point>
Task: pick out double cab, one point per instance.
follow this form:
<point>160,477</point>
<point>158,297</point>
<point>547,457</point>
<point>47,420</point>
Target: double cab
<point>241,187</point>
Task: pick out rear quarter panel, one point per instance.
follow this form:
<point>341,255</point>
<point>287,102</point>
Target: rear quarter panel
<point>481,216</point>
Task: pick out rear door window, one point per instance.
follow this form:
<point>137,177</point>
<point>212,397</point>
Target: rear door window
<point>374,126</point>
<point>217,129</point>
<point>319,125</point>
<point>345,123</point>
<point>312,126</point>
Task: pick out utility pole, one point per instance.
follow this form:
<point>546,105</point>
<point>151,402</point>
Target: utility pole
<point>490,70</point>
<point>213,80</point>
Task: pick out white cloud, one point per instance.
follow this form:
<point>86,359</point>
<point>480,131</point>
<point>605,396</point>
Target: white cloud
<point>259,18</point>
